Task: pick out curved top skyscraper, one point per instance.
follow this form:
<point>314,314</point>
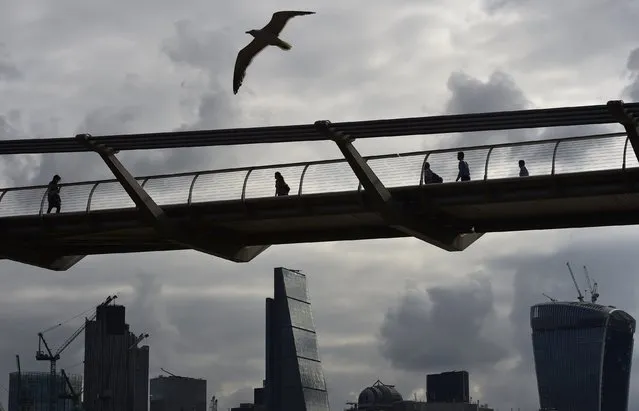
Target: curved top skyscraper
<point>583,355</point>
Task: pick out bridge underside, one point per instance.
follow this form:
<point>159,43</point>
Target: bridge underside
<point>603,198</point>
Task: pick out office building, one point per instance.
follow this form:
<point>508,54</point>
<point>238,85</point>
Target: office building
<point>384,397</point>
<point>583,355</point>
<point>35,388</point>
<point>294,374</point>
<point>451,386</point>
<point>178,393</point>
<point>116,370</point>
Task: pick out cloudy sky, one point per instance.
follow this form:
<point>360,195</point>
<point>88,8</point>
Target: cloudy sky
<point>389,309</point>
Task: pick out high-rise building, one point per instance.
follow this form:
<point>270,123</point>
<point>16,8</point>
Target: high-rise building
<point>35,388</point>
<point>178,393</point>
<point>116,370</point>
<point>294,374</point>
<point>450,386</point>
<point>583,355</point>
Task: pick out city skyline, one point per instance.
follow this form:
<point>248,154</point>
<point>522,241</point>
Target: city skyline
<point>128,67</point>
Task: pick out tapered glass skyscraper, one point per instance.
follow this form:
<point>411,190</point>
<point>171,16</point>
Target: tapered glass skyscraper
<point>583,355</point>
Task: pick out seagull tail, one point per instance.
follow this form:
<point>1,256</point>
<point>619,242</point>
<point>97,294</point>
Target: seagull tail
<point>283,45</point>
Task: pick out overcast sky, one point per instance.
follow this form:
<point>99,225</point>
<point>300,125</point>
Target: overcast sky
<point>390,309</point>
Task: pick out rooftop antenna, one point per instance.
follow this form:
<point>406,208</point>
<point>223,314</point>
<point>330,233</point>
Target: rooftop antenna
<point>593,287</point>
<point>580,296</point>
<point>554,300</point>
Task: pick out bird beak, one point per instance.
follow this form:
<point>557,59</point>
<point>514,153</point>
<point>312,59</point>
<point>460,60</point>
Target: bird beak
<point>247,32</point>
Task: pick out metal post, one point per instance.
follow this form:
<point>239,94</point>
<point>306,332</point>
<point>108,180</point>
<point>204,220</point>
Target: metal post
<point>248,173</point>
<point>299,191</point>
<point>190,197</point>
<point>554,156</point>
<point>490,150</point>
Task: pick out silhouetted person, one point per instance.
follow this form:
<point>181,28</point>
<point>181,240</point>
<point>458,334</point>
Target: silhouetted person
<point>523,171</point>
<point>53,194</point>
<point>281,188</point>
<point>430,176</point>
<point>464,170</point>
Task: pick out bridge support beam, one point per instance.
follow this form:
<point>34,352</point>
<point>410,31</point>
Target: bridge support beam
<point>628,121</point>
<point>435,234</point>
<point>209,240</point>
<point>42,259</point>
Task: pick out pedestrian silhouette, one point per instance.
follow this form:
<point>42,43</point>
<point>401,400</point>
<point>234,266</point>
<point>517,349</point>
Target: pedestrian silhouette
<point>53,194</point>
<point>523,171</point>
<point>430,176</point>
<point>464,170</point>
<point>281,188</point>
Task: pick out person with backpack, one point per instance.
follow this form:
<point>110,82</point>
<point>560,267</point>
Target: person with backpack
<point>430,176</point>
<point>281,188</point>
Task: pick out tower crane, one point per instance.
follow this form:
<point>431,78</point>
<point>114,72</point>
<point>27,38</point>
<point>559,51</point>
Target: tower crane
<point>53,357</point>
<point>138,340</point>
<point>72,395</point>
<point>592,287</point>
<point>580,296</point>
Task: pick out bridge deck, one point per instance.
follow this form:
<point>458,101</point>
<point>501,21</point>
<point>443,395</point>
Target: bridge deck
<point>544,202</point>
<point>580,182</point>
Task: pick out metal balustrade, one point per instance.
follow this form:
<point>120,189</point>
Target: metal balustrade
<point>545,157</point>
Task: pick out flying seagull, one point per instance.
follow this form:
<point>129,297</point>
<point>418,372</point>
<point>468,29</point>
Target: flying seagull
<point>266,36</point>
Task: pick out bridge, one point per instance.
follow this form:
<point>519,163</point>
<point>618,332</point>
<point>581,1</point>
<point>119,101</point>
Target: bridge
<point>580,181</point>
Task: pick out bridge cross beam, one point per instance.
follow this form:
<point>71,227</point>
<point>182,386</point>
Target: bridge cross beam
<point>629,122</point>
<point>215,241</point>
<point>432,233</point>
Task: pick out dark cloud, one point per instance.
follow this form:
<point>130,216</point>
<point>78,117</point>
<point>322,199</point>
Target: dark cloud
<point>471,95</point>
<point>8,69</point>
<point>435,330</point>
<point>632,65</point>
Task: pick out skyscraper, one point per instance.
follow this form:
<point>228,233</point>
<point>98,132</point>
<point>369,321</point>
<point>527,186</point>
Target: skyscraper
<point>294,374</point>
<point>116,370</point>
<point>583,355</point>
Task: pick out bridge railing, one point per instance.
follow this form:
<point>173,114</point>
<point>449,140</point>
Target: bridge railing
<point>546,157</point>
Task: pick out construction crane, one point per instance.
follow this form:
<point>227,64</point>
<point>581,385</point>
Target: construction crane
<point>593,288</point>
<point>554,300</point>
<point>170,373</point>
<point>580,296</point>
<point>53,357</point>
<point>25,403</point>
<point>138,340</point>
<point>213,404</point>
<point>72,395</point>
<point>20,399</point>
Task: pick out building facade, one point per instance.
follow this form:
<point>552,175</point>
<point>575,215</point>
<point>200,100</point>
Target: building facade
<point>384,397</point>
<point>35,390</point>
<point>583,356</point>
<point>178,393</point>
<point>116,370</point>
<point>294,375</point>
<point>450,386</point>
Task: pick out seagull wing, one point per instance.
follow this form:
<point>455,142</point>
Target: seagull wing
<point>244,58</point>
<point>280,18</point>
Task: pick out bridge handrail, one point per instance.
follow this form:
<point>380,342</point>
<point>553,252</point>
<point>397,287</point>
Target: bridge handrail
<point>248,171</point>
